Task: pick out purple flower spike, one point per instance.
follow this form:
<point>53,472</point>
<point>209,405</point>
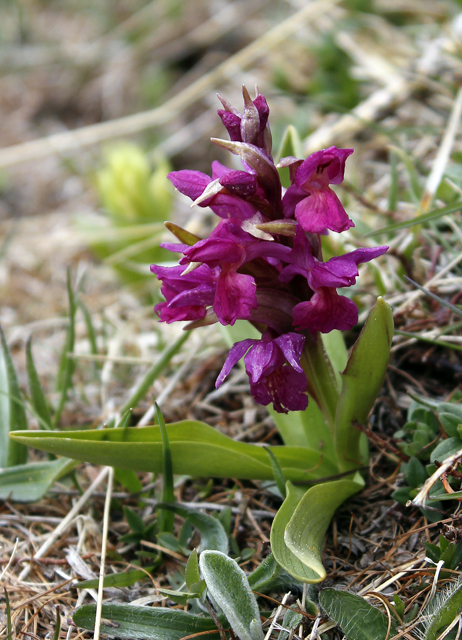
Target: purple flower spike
<point>314,204</point>
<point>274,370</point>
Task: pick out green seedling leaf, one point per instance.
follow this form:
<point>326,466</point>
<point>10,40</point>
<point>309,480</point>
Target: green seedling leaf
<point>417,220</point>
<point>197,450</point>
<point>278,475</point>
<point>290,621</point>
<point>362,380</point>
<point>125,419</point>
<point>445,449</point>
<point>134,521</point>
<point>57,630</point>
<point>213,535</point>
<point>264,573</point>
<point>192,575</point>
<point>145,623</point>
<point>450,424</point>
<point>442,610</point>
<point>67,364</point>
<point>180,597</point>
<point>305,531</point>
<point>415,473</point>
<point>358,619</point>
<point>154,372</point>
<point>124,579</point>
<point>166,521</point>
<point>37,397</point>
<point>229,588</point>
<point>12,412</point>
<point>30,482</point>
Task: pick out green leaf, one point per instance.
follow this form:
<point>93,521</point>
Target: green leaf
<point>415,473</point>
<point>197,450</point>
<point>442,610</point>
<point>298,533</point>
<point>278,475</point>
<point>192,574</point>
<point>362,381</point>
<point>290,621</point>
<point>12,412</point>
<point>30,482</point>
<point>180,597</point>
<point>145,623</point>
<point>154,372</point>
<point>445,449</point>
<point>134,521</point>
<point>37,397</point>
<point>229,588</point>
<point>213,535</point>
<point>358,619</point>
<point>124,579</point>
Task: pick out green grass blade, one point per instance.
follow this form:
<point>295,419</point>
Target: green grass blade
<point>408,224</point>
<point>448,305</point>
<point>154,372</point>
<point>277,471</point>
<point>168,518</point>
<point>90,328</point>
<point>124,579</point>
<point>37,397</point>
<point>12,412</point>
<point>440,343</point>
<point>67,364</point>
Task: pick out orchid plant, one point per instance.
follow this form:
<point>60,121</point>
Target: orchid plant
<point>263,263</point>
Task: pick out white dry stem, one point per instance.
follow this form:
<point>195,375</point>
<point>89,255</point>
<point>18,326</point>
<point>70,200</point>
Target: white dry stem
<point>276,615</point>
<point>107,505</point>
<point>51,539</point>
<point>13,553</point>
<point>314,631</point>
<point>85,136</point>
<point>421,497</point>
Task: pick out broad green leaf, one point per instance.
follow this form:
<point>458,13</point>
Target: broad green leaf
<point>290,621</point>
<point>297,536</point>
<point>154,372</point>
<point>12,412</point>
<point>264,573</point>
<point>358,619</point>
<point>123,579</point>
<point>361,382</point>
<point>37,397</point>
<point>145,623</point>
<point>134,520</point>
<point>30,482</point>
<point>197,450</point>
<point>128,479</point>
<point>213,535</point>
<point>229,588</point>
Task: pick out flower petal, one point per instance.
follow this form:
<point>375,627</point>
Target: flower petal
<point>235,296</point>
<point>236,352</point>
<point>325,312</point>
<point>322,210</point>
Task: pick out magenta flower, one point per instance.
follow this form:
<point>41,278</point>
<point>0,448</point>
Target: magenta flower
<point>274,370</point>
<point>263,261</point>
<point>309,198</point>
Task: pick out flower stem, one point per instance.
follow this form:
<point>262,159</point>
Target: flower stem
<point>322,385</point>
